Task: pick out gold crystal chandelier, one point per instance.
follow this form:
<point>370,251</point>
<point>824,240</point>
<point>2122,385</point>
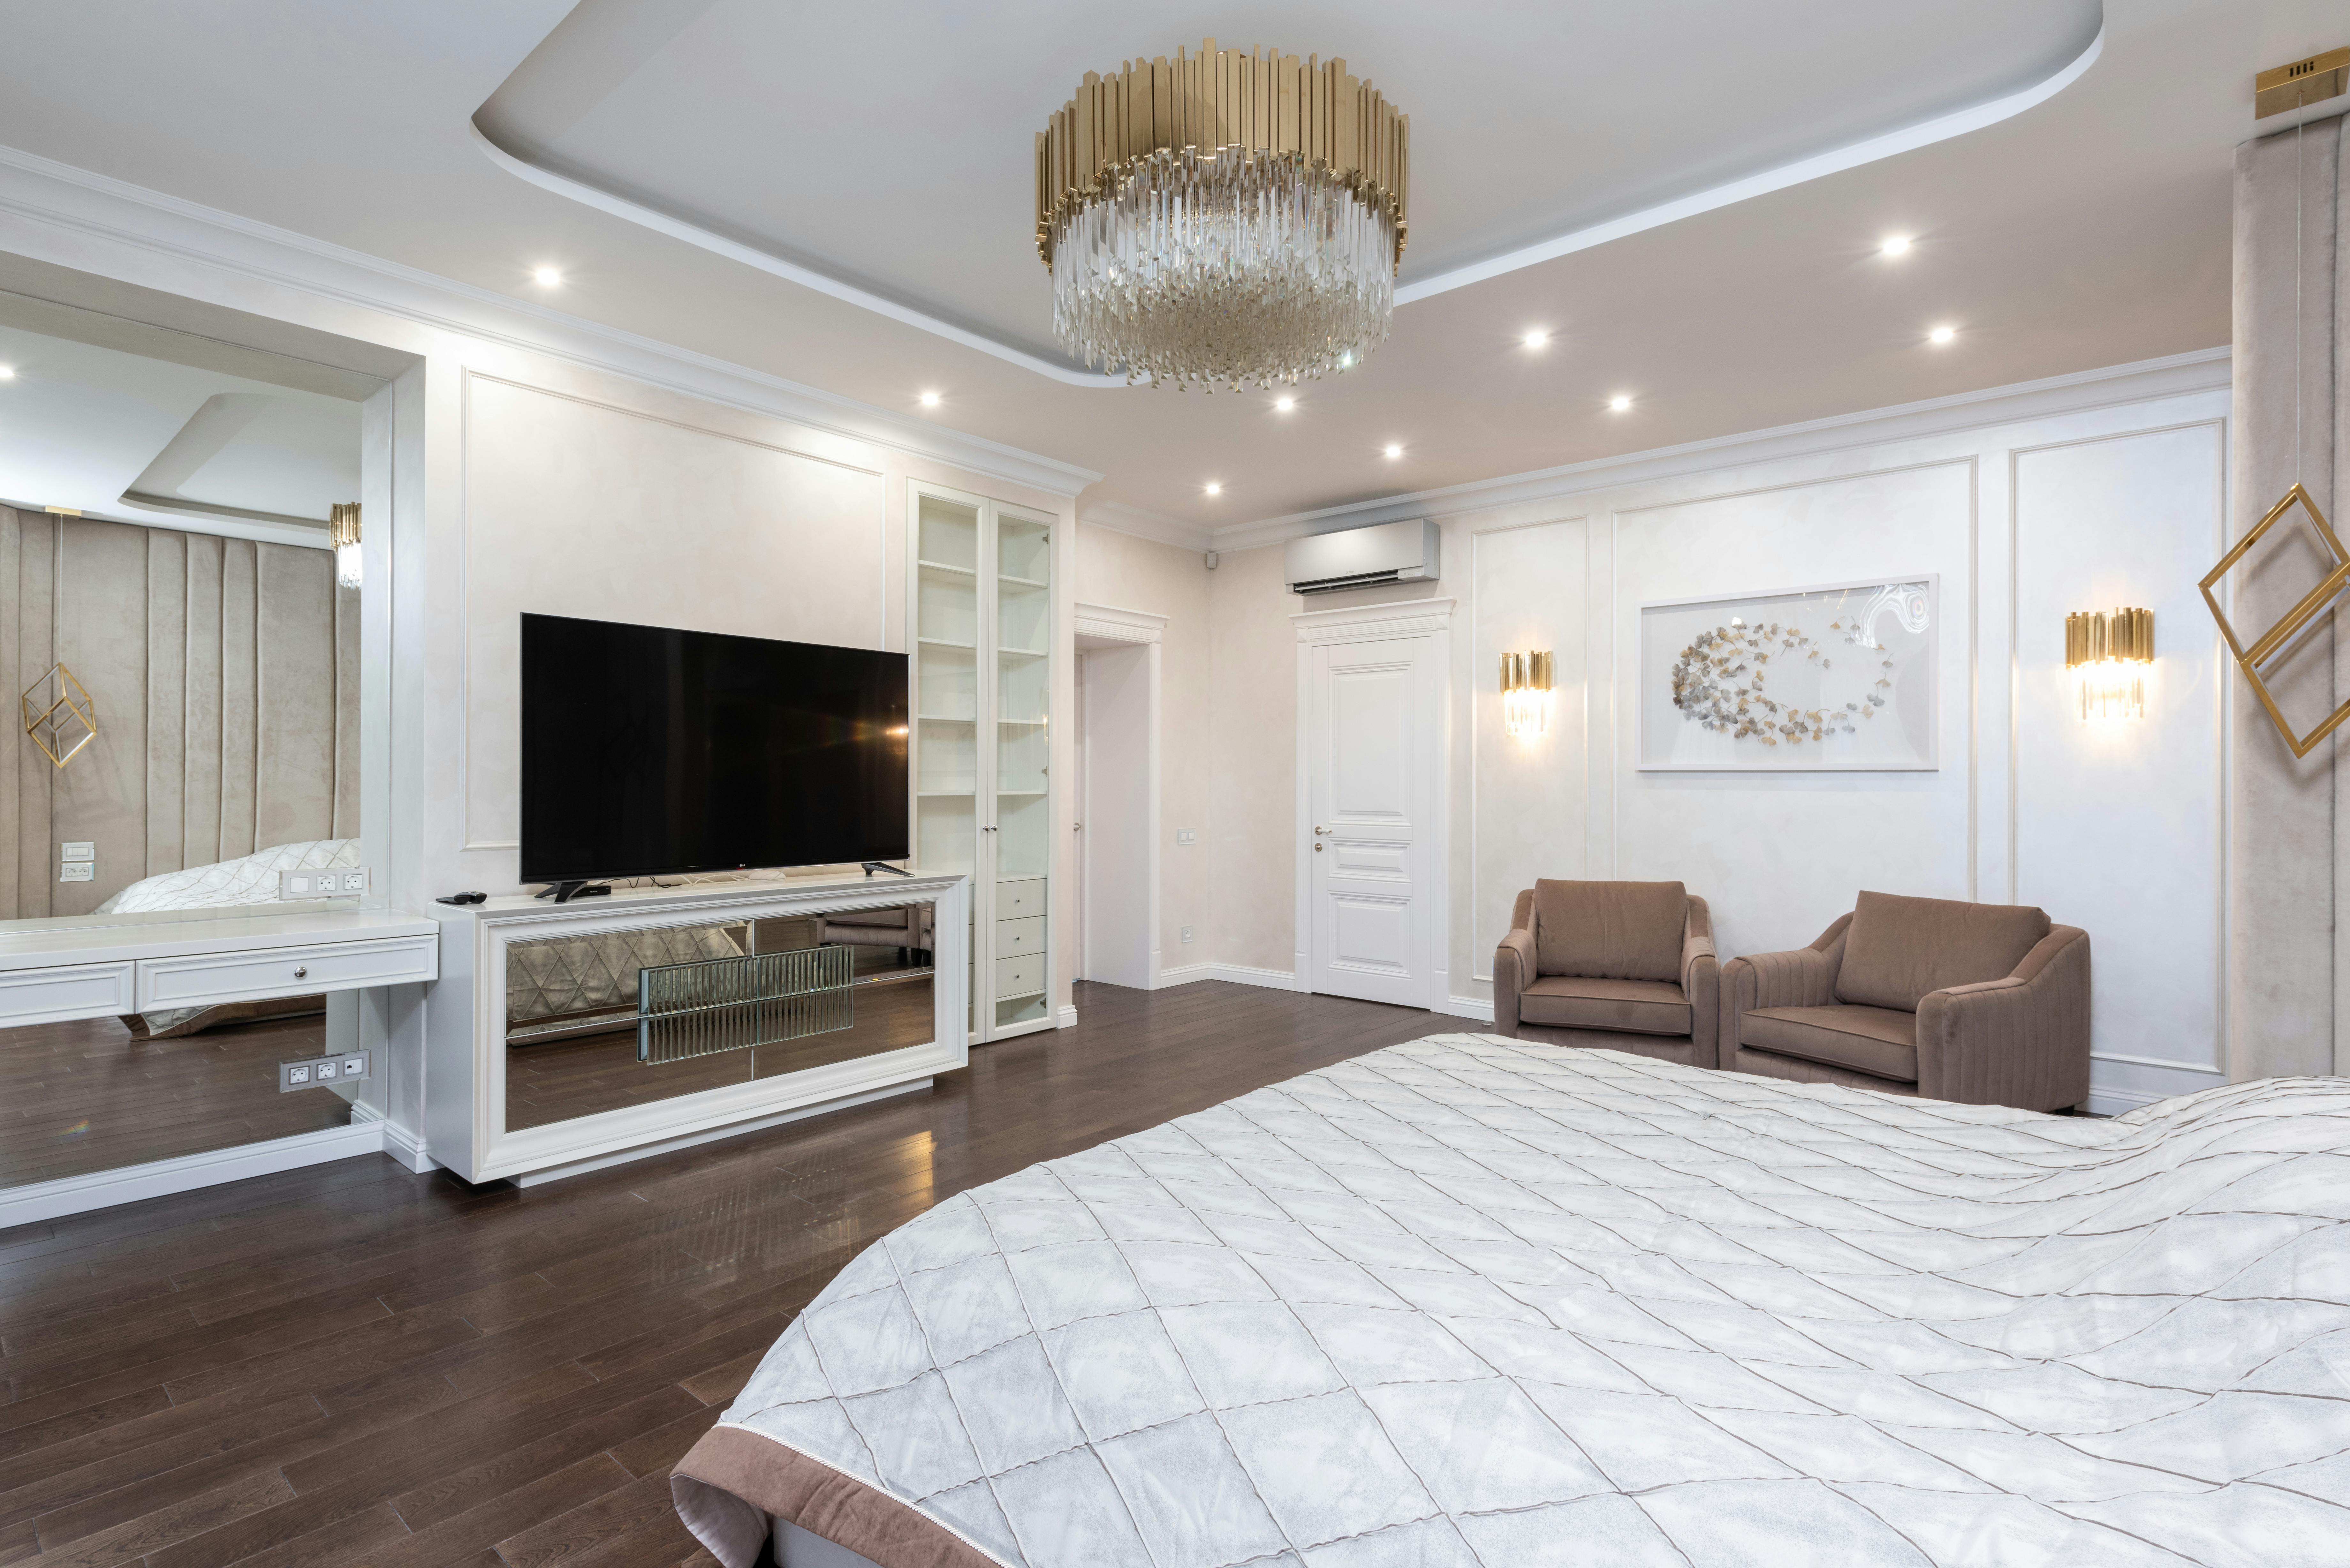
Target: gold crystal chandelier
<point>1223,218</point>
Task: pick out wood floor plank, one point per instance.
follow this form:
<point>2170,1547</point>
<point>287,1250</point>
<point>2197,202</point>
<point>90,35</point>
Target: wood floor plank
<point>354,1365</point>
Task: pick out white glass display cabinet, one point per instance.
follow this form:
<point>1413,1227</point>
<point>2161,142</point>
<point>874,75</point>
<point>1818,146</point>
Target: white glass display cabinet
<point>981,598</point>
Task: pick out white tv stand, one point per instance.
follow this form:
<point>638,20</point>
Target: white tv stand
<point>465,1121</point>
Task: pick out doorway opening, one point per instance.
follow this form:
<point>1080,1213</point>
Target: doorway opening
<point>1117,808</point>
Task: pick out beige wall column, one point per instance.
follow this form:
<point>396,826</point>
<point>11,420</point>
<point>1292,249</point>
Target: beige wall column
<point>2289,955</point>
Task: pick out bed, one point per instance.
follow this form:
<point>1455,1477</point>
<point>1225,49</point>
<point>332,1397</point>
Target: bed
<point>1477,1301</point>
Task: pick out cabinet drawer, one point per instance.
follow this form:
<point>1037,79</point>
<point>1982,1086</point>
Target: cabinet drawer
<point>200,980</point>
<point>1019,976</point>
<point>1016,936</point>
<point>55,995</point>
<point>1018,900</point>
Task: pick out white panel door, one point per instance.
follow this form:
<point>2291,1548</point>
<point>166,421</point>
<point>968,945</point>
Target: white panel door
<point>1371,794</point>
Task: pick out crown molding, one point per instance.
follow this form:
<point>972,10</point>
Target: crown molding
<point>1399,616</point>
<point>1120,625</point>
<point>43,201</point>
<point>2201,370</point>
<point>1120,518</point>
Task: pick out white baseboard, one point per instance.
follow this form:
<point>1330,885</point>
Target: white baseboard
<point>1480,1008</point>
<point>161,1178</point>
<point>409,1148</point>
<point>2114,1102</point>
<point>1067,1018</point>
<point>1183,975</point>
<point>1241,975</point>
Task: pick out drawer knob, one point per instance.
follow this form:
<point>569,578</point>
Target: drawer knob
<point>301,972</point>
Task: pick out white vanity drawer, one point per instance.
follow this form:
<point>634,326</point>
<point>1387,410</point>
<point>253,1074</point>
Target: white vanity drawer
<point>54,995</point>
<point>1020,976</point>
<point>199,980</point>
<point>1018,900</point>
<point>1016,937</point>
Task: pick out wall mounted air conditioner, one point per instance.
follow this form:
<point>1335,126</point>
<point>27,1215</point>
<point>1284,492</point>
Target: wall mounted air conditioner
<point>1364,557</point>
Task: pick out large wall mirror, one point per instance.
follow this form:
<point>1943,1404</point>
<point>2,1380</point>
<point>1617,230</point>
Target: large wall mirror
<point>185,681</point>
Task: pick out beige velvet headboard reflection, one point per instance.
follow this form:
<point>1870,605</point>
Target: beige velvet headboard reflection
<point>224,673</point>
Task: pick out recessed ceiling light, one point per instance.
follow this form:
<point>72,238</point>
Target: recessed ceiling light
<point>1894,244</point>
<point>1619,402</point>
<point>1214,488</point>
<point>546,276</point>
<point>930,400</point>
<point>1536,338</point>
<point>1282,405</point>
<point>7,372</point>
<point>1941,335</point>
<point>1395,448</point>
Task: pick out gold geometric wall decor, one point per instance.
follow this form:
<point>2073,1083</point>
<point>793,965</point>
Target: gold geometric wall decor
<point>59,715</point>
<point>2263,649</point>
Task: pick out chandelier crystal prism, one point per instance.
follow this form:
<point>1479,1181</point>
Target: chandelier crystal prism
<point>1223,218</point>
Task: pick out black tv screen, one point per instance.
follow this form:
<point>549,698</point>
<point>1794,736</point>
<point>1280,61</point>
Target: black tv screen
<point>647,750</point>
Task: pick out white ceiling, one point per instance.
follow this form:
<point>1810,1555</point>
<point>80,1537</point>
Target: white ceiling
<point>2090,230</point>
<point>144,440</point>
<point>782,126</point>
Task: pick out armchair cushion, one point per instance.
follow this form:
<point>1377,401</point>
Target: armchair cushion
<point>1900,950</point>
<point>1635,1006</point>
<point>1879,1041</point>
<point>1611,930</point>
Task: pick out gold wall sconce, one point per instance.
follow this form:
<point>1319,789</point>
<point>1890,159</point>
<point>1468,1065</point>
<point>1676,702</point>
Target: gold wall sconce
<point>1525,693</point>
<point>345,529</point>
<point>2107,653</point>
<point>59,715</point>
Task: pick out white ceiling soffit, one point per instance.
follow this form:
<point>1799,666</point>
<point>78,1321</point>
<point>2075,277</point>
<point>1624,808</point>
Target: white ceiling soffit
<point>633,108</point>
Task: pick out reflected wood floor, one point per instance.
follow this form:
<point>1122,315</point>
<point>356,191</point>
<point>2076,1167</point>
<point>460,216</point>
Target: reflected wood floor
<point>351,1365</point>
<point>88,1095</point>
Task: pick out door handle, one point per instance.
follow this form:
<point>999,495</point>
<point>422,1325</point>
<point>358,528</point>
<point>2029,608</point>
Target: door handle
<point>1320,831</point>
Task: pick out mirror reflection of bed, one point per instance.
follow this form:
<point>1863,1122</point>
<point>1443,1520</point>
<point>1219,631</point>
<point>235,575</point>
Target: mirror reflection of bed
<point>572,1038</point>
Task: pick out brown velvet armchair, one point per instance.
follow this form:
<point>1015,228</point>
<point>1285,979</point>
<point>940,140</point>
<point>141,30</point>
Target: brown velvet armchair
<point>1626,965</point>
<point>1986,1004</point>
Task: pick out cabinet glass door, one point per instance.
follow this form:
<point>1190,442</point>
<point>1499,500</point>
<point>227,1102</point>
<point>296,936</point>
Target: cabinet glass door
<point>947,750</point>
<point>1023,835</point>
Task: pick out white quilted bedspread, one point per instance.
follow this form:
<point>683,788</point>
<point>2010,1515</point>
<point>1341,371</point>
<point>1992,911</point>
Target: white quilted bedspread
<point>1471,1301</point>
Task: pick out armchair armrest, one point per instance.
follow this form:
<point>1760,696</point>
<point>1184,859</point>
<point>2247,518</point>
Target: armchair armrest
<point>1803,977</point>
<point>1702,983</point>
<point>1514,969</point>
<point>2023,1040</point>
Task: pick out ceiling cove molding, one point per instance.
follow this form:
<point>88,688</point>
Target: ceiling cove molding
<point>2201,370</point>
<point>38,193</point>
<point>676,228</point>
<point>1891,144</point>
<point>1818,166</point>
<point>1120,518</point>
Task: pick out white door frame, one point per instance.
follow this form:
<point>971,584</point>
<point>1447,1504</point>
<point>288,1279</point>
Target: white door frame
<point>1403,618</point>
<point>1106,624</point>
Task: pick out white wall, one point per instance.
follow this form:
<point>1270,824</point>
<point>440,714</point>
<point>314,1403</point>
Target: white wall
<point>2108,493</point>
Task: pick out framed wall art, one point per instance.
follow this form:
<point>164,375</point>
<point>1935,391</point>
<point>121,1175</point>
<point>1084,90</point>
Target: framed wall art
<point>1837,679</point>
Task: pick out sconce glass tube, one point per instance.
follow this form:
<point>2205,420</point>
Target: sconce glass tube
<point>2107,653</point>
<point>1525,693</point>
<point>345,531</point>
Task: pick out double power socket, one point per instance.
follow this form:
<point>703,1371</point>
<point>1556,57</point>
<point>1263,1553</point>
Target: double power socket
<point>326,882</point>
<point>318,1070</point>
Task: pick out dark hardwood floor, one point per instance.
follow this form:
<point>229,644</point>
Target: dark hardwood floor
<point>351,1365</point>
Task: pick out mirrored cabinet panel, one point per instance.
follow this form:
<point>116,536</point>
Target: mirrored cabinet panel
<point>612,1019</point>
<point>983,590</point>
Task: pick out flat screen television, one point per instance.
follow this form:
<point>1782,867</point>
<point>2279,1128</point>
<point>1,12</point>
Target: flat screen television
<point>647,750</point>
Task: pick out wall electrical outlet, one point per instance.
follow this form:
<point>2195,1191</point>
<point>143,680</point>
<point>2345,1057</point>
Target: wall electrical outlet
<point>331,882</point>
<point>78,871</point>
<point>1187,933</point>
<point>80,849</point>
<point>1187,835</point>
<point>318,1070</point>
